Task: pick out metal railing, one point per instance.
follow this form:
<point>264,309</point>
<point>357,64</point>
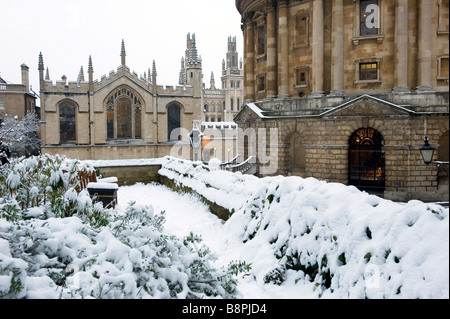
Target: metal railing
<point>232,162</point>
<point>247,167</point>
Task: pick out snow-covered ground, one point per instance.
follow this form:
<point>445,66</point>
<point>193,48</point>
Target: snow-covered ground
<point>185,213</point>
<point>304,238</point>
<point>297,233</point>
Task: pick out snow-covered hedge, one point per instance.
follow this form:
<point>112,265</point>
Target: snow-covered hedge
<point>56,243</point>
<point>343,242</point>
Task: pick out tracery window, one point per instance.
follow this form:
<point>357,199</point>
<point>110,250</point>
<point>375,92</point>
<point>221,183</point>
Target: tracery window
<point>123,114</point>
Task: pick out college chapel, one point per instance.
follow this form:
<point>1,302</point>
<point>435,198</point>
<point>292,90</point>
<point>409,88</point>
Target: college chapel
<point>350,89</point>
<point>127,116</point>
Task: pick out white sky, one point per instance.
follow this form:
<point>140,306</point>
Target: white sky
<point>67,32</point>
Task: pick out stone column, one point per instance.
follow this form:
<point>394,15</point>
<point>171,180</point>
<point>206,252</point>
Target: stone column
<point>401,47</point>
<point>317,49</point>
<point>337,63</point>
<point>424,46</point>
<point>249,66</point>
<point>271,52</point>
<point>283,50</point>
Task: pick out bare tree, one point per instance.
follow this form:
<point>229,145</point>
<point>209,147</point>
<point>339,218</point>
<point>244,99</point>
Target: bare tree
<point>19,136</point>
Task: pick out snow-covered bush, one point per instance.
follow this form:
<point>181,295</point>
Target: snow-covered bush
<point>340,241</point>
<point>48,186</point>
<point>56,243</point>
<point>346,243</point>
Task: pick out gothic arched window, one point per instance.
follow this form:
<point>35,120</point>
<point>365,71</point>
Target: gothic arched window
<point>67,122</point>
<point>123,114</point>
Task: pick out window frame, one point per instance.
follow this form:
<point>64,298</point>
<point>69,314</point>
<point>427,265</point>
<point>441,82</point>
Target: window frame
<point>357,37</point>
<point>359,62</point>
<point>440,76</point>
<point>75,121</point>
<point>304,15</point>
<point>305,70</point>
<point>261,86</point>
<point>137,106</point>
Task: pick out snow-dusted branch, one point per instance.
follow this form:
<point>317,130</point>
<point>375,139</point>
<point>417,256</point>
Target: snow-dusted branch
<point>20,135</point>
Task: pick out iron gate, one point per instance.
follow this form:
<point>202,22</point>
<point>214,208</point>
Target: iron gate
<point>367,161</point>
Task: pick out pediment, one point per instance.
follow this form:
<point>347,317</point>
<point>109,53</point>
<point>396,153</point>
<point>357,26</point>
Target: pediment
<point>247,114</point>
<point>366,105</point>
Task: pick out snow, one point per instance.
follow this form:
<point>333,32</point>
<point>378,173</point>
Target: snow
<point>102,185</point>
<point>304,239</point>
<point>391,250</point>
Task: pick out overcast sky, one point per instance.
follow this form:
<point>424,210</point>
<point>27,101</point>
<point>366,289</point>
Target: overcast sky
<point>67,32</point>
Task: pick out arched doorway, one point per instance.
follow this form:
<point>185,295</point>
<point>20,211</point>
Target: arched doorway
<point>173,121</point>
<point>367,160</point>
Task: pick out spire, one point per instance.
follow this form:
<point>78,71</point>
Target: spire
<point>154,74</point>
<point>181,77</point>
<point>213,82</point>
<point>123,53</point>
<point>91,75</point>
<point>47,75</point>
<point>90,67</point>
<point>81,76</point>
<point>41,62</point>
<point>154,69</point>
<point>193,57</point>
<point>41,71</point>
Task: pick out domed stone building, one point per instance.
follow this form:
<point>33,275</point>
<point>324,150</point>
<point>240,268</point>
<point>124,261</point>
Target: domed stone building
<point>349,89</point>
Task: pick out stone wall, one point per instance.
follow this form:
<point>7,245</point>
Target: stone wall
<point>130,175</point>
<point>318,146</point>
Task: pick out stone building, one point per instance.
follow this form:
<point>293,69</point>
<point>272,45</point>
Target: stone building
<point>123,115</point>
<point>17,99</point>
<point>222,105</point>
<point>351,89</point>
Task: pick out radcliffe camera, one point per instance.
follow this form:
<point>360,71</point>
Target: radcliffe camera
<point>227,154</point>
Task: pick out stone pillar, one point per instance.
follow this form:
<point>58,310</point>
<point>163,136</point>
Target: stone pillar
<point>401,47</point>
<point>271,52</point>
<point>317,49</point>
<point>424,46</point>
<point>337,63</point>
<point>283,50</point>
<point>249,66</point>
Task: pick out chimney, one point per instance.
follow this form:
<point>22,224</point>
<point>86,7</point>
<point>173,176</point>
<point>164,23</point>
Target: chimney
<point>25,77</point>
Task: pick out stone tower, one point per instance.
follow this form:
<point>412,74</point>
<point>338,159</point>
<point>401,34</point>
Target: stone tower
<point>232,80</point>
<point>191,67</point>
